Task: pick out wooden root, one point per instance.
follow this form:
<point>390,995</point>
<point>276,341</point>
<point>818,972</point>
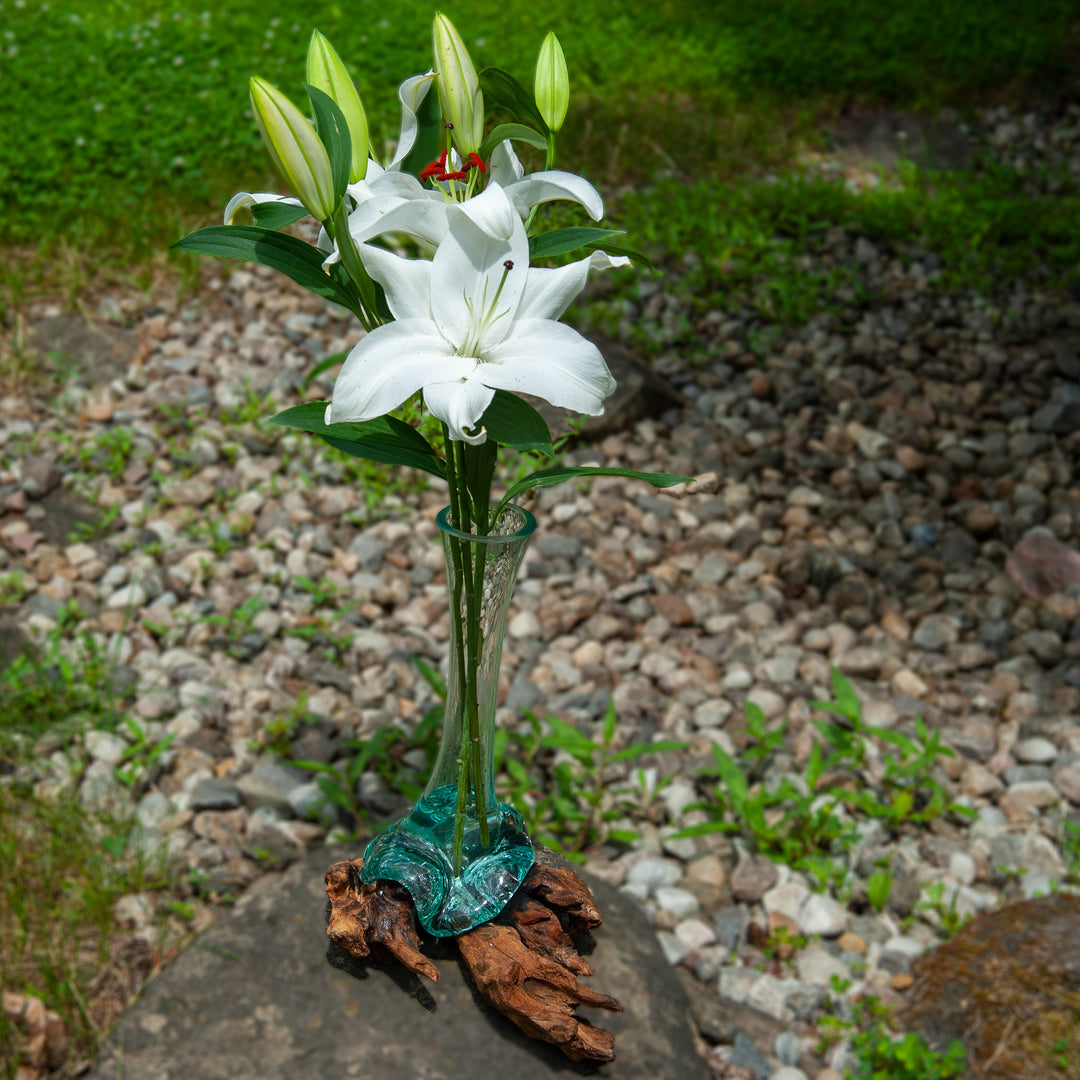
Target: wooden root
<point>525,963</point>
<point>537,994</point>
<point>527,966</point>
<point>374,920</point>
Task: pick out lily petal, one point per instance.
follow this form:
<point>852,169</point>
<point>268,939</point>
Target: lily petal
<point>526,191</point>
<point>388,366</point>
<point>506,167</point>
<point>244,199</point>
<point>469,268</point>
<point>555,184</point>
<point>460,404</point>
<point>548,293</point>
<point>407,282</point>
<point>411,94</point>
<point>550,360</point>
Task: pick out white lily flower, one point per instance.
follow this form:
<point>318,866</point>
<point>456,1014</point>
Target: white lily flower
<point>475,319</point>
<point>526,191</point>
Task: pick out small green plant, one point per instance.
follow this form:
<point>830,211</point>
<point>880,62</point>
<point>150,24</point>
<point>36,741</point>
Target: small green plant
<point>881,1051</point>
<point>1069,839</point>
<point>799,825</point>
<point>109,452</point>
<point>141,755</point>
<point>878,888</point>
<point>237,623</point>
<point>567,804</point>
<point>881,1054</point>
<point>806,821</point>
<point>903,788</point>
<point>782,943</point>
<point>943,912</point>
<point>322,593</point>
<point>13,588</point>
<point>383,755</point>
<point>87,531</point>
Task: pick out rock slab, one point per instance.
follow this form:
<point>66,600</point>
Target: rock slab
<point>254,998</point>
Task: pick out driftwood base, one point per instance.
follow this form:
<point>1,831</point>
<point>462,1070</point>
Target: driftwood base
<point>524,962</point>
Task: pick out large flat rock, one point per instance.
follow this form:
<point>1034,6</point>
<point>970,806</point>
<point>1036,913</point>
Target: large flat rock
<point>254,998</point>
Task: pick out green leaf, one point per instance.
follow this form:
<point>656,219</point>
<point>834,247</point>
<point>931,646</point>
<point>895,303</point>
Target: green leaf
<point>333,129</point>
<point>300,261</point>
<point>878,887</point>
<point>513,422</point>
<point>732,776</point>
<point>324,365</point>
<point>431,677</point>
<point>519,132</point>
<point>610,719</point>
<point>549,477</point>
<point>386,440</point>
<point>636,750</point>
<point>560,241</point>
<point>564,736</point>
<point>276,215</point>
<point>706,828</point>
<point>847,701</point>
<point>503,89</point>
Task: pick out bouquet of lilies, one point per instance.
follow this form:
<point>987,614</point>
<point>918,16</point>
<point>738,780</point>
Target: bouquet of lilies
<point>470,322</point>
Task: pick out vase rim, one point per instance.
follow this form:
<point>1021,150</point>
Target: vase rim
<point>528,527</point>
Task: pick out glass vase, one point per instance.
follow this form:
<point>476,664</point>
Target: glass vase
<point>460,852</point>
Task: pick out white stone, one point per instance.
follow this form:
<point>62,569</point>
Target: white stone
<point>695,933</point>
<point>128,597</point>
<point>822,915</point>
<point>962,867</point>
<point>770,994</point>
<point>817,966</point>
<point>674,949</point>
<point>105,746</point>
<point>1035,751</point>
<point>653,874</point>
<point>905,946</point>
<point>736,983</point>
<point>786,899</point>
<point>680,902</point>
<point>738,679</point>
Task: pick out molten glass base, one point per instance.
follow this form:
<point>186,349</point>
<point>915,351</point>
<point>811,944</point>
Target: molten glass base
<point>418,852</point>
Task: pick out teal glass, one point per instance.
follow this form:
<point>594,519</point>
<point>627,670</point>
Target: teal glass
<point>460,852</point>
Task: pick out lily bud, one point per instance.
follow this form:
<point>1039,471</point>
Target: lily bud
<point>297,150</point>
<point>327,73</point>
<point>551,87</point>
<point>459,88</point>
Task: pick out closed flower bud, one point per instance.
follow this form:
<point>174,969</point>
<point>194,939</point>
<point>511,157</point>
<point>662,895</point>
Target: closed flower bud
<point>327,73</point>
<point>459,88</point>
<point>297,150</point>
<point>551,88</point>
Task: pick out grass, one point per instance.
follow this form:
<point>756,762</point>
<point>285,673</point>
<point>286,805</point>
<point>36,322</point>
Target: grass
<point>656,86</point>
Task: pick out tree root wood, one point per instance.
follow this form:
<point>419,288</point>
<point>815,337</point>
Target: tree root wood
<point>524,963</point>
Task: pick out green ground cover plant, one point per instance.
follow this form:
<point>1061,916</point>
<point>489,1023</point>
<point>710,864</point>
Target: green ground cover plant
<point>856,772</point>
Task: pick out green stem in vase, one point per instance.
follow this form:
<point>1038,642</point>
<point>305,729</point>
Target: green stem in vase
<point>457,555</point>
<point>474,591</point>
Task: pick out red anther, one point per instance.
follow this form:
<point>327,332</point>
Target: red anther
<point>436,167</point>
<point>474,161</point>
<point>460,175</point>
